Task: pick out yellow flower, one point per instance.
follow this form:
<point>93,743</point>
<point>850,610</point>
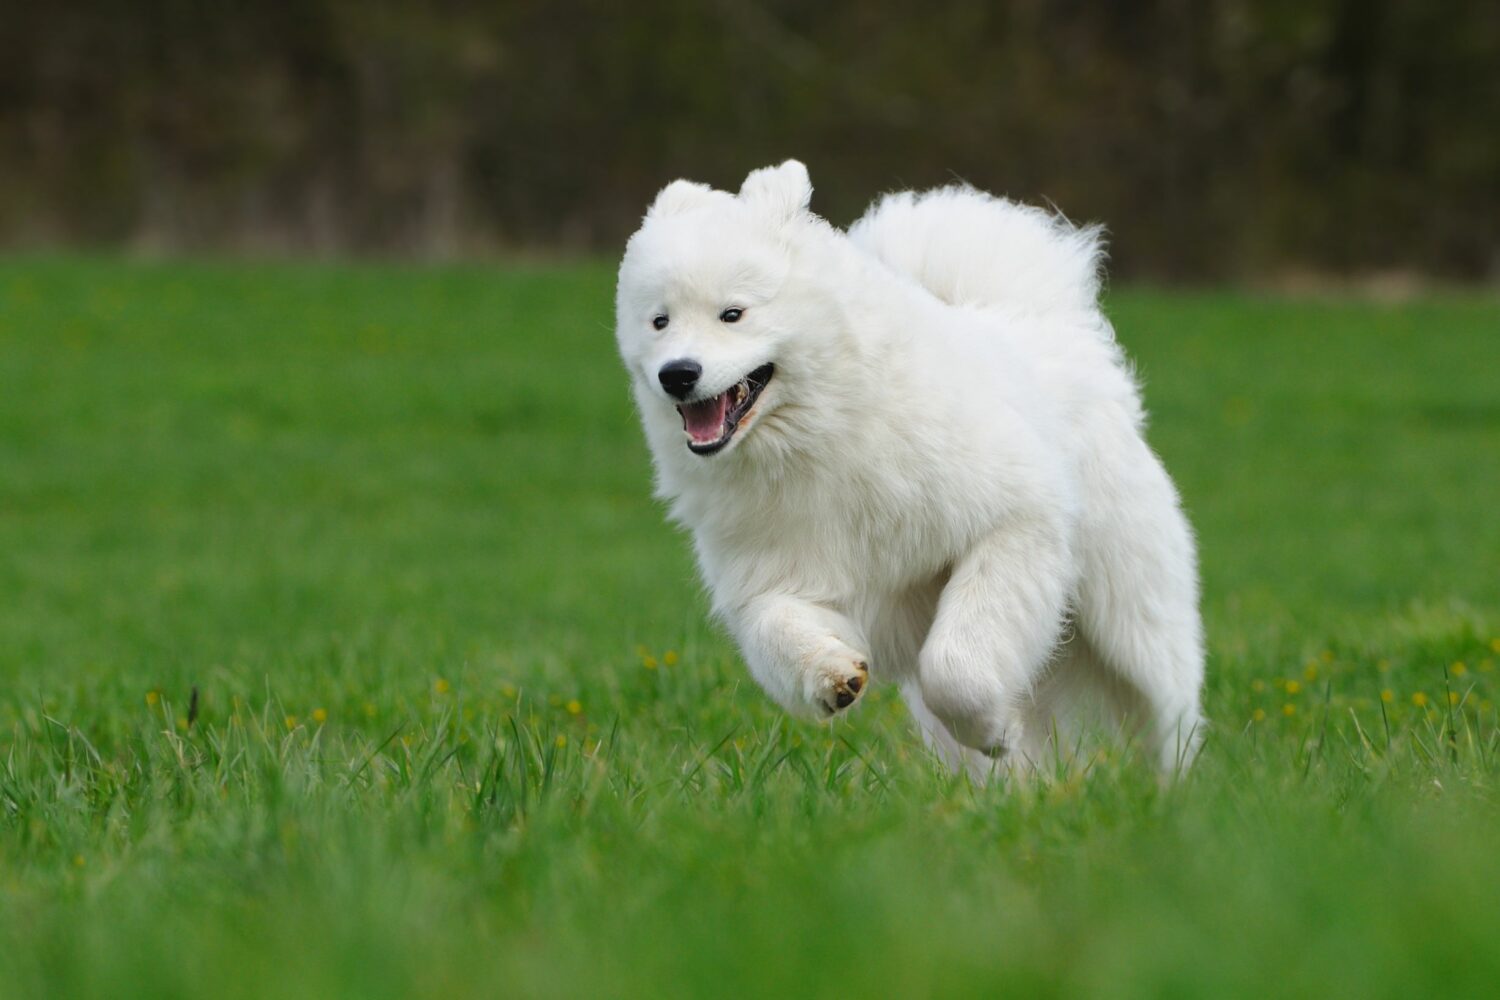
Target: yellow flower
<point>1289,710</point>
<point>1257,685</point>
<point>642,651</point>
<point>441,686</point>
<point>1387,696</point>
<point>320,715</point>
<point>574,707</point>
<point>1310,674</point>
<point>1495,644</point>
<point>1453,698</point>
<point>649,662</point>
<point>369,709</point>
<point>669,658</point>
<point>291,722</point>
<point>152,697</point>
<point>1419,699</point>
<point>508,689</point>
<point>561,741</point>
<point>1292,687</point>
<point>1259,715</point>
<point>182,723</point>
<point>1458,669</point>
<point>78,861</point>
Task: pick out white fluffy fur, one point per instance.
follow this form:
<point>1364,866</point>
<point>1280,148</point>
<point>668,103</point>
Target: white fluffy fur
<point>946,478</point>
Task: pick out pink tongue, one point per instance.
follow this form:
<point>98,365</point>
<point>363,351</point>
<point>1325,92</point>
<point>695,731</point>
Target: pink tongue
<point>705,421</point>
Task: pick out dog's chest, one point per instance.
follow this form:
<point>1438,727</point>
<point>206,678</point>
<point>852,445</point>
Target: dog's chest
<point>852,538</point>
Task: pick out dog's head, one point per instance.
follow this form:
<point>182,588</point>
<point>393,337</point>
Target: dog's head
<point>714,311</point>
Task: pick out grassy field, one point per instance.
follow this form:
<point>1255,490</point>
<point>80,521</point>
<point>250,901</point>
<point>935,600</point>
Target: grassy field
<point>462,728</point>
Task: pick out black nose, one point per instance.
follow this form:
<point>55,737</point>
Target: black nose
<point>678,377</point>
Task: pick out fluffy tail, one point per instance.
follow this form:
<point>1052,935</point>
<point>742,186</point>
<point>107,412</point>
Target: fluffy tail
<point>970,248</point>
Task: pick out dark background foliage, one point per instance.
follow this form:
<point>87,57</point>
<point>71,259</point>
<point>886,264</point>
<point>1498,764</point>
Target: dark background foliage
<point>1216,138</point>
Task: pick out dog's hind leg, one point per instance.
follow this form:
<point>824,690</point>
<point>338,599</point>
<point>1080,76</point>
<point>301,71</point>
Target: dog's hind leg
<point>997,622</point>
<point>1150,641</point>
<point>1138,598</point>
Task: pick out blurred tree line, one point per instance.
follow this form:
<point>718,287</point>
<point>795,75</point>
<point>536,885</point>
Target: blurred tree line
<point>1216,138</point>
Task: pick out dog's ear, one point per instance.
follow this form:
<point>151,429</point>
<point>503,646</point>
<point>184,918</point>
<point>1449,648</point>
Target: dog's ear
<point>678,197</point>
<point>780,192</point>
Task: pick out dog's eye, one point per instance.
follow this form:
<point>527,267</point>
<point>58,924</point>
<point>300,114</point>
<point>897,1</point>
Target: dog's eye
<point>660,322</point>
<point>731,315</point>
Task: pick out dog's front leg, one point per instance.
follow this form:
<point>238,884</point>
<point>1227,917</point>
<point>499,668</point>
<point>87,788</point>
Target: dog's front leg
<point>807,657</point>
<point>997,621</point>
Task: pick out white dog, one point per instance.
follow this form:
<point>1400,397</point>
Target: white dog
<point>912,452</point>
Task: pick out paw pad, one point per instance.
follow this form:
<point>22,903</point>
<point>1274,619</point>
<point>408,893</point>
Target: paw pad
<point>846,690</point>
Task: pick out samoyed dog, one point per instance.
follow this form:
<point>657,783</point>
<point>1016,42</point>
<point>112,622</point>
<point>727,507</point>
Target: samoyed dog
<point>912,453</point>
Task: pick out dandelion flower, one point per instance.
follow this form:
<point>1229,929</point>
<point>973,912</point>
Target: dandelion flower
<point>669,658</point>
<point>152,697</point>
<point>1288,710</point>
<point>1259,715</point>
<point>1419,699</point>
<point>1310,674</point>
<point>561,741</point>
<point>320,715</point>
<point>574,707</point>
<point>1453,698</point>
<point>1387,696</point>
<point>1292,687</point>
<point>1257,685</point>
<point>1458,669</point>
<point>369,710</point>
<point>78,861</point>
<point>649,662</point>
<point>291,722</point>
<point>1495,644</point>
<point>441,686</point>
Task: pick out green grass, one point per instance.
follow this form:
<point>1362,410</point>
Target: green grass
<point>394,525</point>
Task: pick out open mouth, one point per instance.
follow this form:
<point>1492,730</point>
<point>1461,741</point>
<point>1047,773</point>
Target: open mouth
<point>710,423</point>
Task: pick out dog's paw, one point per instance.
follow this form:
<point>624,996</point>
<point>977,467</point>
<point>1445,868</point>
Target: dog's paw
<point>994,726</point>
<point>837,681</point>
<point>998,743</point>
